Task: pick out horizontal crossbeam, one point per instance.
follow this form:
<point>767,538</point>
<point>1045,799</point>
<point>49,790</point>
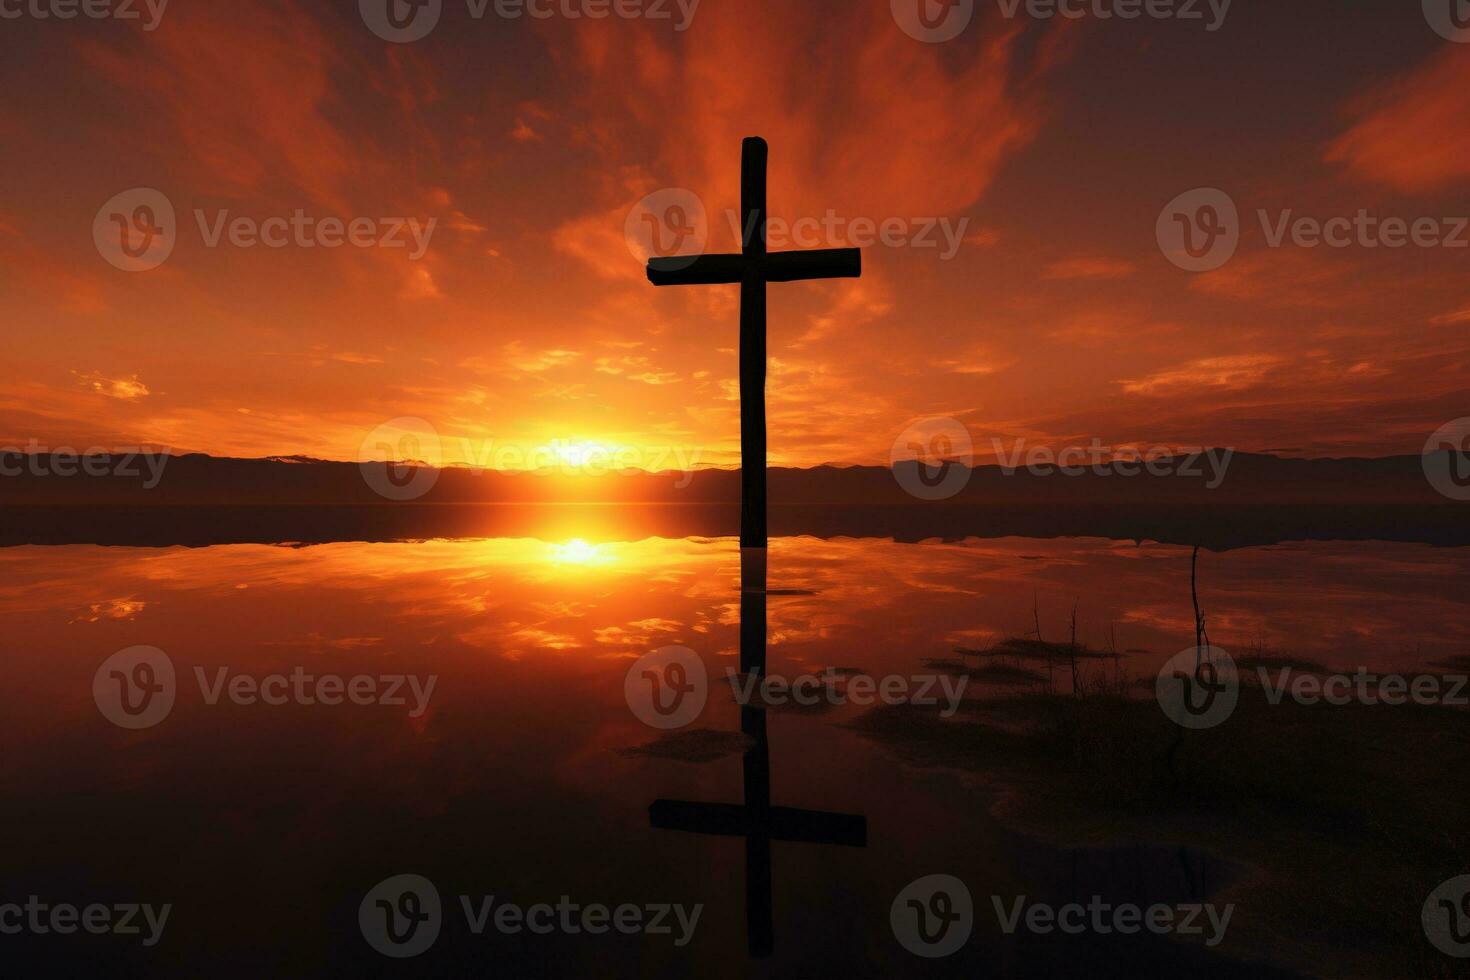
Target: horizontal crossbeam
<point>713,270</point>
<point>703,270</point>
<point>777,823</point>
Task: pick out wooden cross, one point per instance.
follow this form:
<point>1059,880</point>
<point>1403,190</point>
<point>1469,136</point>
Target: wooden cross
<point>753,268</point>
<point>756,820</point>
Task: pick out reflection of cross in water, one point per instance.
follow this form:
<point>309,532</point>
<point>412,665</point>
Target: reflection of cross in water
<point>753,268</point>
<point>757,821</point>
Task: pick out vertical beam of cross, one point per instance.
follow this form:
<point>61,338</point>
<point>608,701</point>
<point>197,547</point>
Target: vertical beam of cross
<point>753,526</point>
<point>752,269</point>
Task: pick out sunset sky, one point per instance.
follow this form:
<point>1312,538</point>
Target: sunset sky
<point>528,318</point>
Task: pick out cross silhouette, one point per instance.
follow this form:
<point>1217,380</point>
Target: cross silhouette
<point>756,820</point>
<point>753,268</point>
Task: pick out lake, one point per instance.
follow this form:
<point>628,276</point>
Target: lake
<point>506,760</point>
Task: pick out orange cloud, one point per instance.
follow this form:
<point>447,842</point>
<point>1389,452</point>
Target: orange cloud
<point>1414,133</point>
<point>264,119</point>
<point>1447,319</point>
<point>1285,277</point>
<point>123,389</point>
<point>848,145</point>
<point>1234,372</point>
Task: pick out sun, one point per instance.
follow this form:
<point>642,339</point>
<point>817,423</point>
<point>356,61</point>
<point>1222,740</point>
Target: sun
<point>579,552</point>
<point>579,454</point>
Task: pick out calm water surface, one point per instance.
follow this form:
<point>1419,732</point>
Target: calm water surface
<point>265,826</point>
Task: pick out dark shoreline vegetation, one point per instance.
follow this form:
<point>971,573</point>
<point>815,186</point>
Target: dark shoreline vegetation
<point>197,500</point>
<point>196,480</point>
<point>1347,817</point>
<point>1217,527</point>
